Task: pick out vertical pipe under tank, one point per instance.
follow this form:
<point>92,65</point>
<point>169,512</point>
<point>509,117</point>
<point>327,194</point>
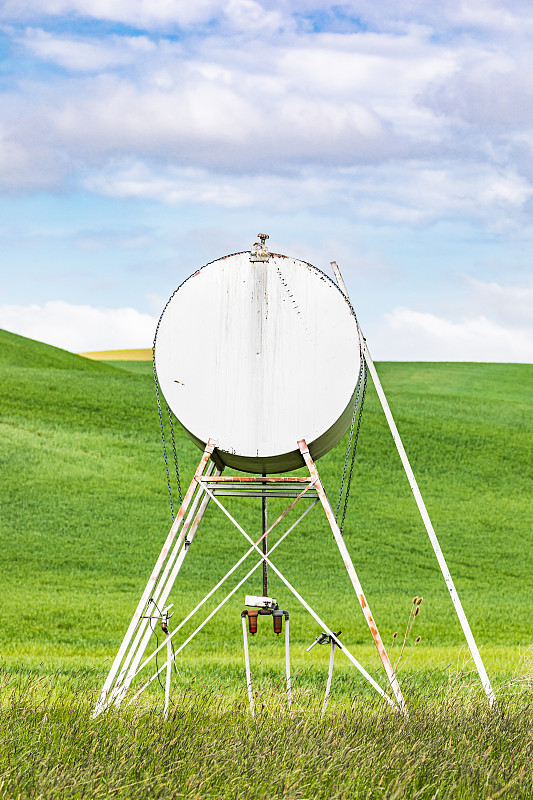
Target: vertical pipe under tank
<point>264,543</point>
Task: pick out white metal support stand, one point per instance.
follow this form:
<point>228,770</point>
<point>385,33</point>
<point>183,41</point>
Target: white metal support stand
<point>208,484</point>
<point>422,508</point>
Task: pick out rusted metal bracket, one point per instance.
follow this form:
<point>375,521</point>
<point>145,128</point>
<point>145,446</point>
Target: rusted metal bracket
<point>215,458</point>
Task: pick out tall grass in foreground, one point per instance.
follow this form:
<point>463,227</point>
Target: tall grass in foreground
<point>451,746</point>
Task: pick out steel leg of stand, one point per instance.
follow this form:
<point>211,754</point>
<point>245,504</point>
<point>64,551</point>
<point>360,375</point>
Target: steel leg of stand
<point>137,617</point>
<point>288,664</point>
<point>306,605</point>
<point>143,634</point>
<point>247,666</point>
<point>330,673</point>
<point>169,671</point>
<point>161,598</point>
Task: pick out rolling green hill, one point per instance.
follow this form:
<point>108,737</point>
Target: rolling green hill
<point>84,510</point>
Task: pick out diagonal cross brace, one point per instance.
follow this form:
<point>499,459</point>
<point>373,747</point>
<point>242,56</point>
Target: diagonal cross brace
<point>323,625</point>
<point>201,482</point>
<point>222,602</point>
<point>229,573</point>
<point>315,616</point>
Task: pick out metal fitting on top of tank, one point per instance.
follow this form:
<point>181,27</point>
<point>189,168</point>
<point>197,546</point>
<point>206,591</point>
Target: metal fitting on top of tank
<point>260,249</point>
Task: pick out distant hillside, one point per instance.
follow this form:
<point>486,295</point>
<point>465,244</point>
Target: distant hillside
<point>84,511</point>
<point>119,355</point>
<point>19,351</point>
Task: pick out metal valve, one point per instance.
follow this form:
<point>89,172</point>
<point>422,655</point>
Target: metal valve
<point>260,249</point>
<point>323,638</point>
<point>165,616</point>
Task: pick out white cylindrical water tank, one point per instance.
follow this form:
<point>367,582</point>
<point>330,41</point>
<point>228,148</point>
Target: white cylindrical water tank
<point>258,354</point>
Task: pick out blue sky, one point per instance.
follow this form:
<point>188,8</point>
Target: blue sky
<point>140,140</point>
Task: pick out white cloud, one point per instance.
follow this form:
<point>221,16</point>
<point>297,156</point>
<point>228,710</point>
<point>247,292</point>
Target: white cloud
<point>138,12</point>
<point>394,124</point>
<point>474,16</point>
<point>236,15</point>
<point>86,55</point>
<point>256,105</point>
<point>409,193</point>
<point>409,335</point>
<point>490,91</point>
<point>27,167</point>
<point>508,305</point>
<point>80,328</point>
<point>397,115</point>
<point>501,16</point>
<point>196,186</point>
<point>482,321</point>
<point>248,15</point>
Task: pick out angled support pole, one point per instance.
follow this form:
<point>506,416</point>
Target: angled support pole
<point>341,544</point>
<point>118,680</point>
<point>422,507</point>
<point>476,655</point>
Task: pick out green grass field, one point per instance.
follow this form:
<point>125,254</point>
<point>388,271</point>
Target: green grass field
<point>85,511</point>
